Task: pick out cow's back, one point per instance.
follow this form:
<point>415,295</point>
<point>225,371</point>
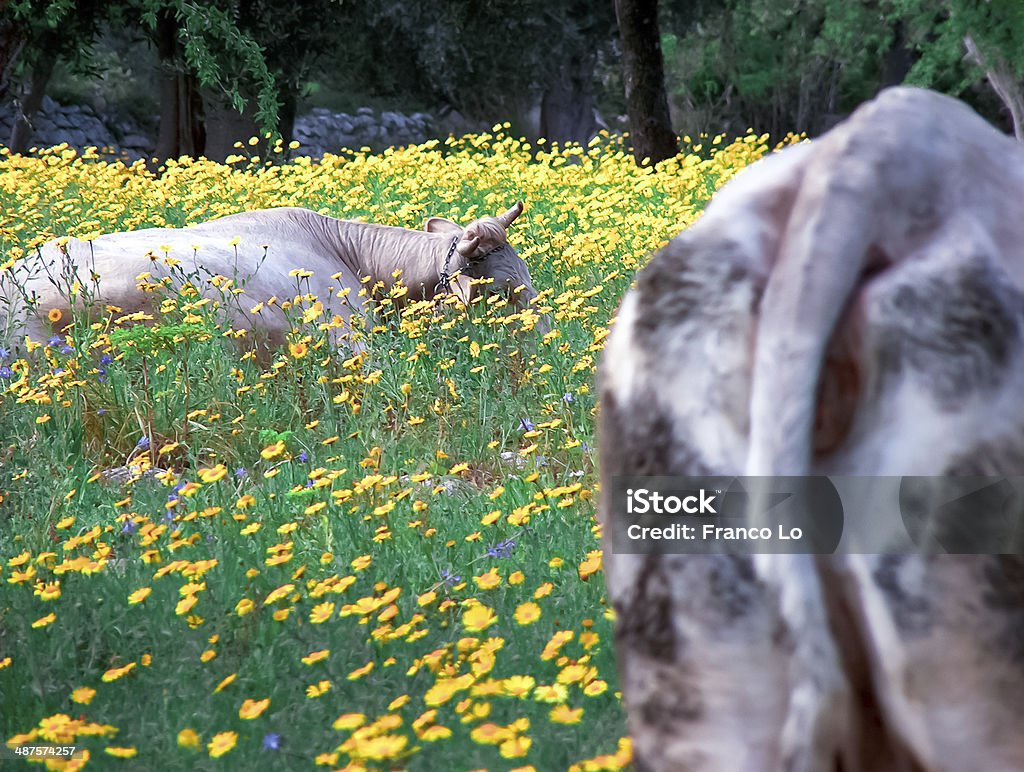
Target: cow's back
<point>257,250</point>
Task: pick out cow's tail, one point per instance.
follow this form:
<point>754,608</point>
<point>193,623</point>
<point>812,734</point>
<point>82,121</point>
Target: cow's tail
<point>818,269</point>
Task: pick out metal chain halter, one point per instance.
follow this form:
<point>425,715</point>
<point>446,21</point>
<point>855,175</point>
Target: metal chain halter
<point>446,277</point>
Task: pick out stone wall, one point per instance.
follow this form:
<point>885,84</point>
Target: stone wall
<point>317,132</point>
<point>321,131</point>
<point>80,127</point>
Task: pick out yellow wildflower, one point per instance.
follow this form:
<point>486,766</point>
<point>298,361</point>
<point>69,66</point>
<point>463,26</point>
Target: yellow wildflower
<point>253,708</point>
<point>221,743</point>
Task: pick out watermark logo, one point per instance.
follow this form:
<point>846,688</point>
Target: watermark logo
<point>641,501</point>
<point>817,515</point>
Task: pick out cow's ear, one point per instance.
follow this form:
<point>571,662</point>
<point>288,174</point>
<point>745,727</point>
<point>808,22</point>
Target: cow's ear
<point>461,287</point>
<point>440,225</point>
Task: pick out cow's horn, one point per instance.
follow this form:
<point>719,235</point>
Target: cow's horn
<point>509,216</point>
<point>467,247</point>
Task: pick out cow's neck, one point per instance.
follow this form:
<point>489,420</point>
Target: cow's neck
<point>379,251</point>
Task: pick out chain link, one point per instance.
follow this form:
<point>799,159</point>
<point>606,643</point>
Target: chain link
<point>446,278</point>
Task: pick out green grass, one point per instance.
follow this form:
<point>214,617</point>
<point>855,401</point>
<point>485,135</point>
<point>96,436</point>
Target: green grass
<point>460,443</point>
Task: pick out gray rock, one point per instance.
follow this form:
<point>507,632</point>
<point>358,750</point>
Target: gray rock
<point>136,142</point>
<point>74,137</point>
<point>94,128</point>
<point>317,131</point>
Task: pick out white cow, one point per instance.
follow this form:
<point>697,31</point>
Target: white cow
<point>848,306</point>
<point>259,250</point>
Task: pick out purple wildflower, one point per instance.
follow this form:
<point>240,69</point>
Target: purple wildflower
<point>449,578</point>
<point>271,741</point>
<point>502,549</point>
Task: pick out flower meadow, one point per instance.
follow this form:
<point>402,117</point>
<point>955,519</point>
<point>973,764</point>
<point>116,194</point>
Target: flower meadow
<point>383,560</point>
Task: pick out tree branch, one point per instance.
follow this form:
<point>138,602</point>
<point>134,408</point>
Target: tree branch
<point>1003,83</point>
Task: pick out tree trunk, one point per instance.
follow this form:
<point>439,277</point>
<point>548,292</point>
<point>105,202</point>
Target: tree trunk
<point>181,107</point>
<point>287,96</point>
<point>12,41</point>
<point>898,59</point>
<point>644,75</point>
<point>225,126</point>
<point>567,107</point>
<point>23,129</point>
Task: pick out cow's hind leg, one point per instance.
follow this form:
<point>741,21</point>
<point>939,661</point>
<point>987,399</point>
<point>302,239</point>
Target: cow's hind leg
<point>702,659</point>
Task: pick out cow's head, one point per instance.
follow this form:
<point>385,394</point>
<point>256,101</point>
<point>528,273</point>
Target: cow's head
<point>483,252</point>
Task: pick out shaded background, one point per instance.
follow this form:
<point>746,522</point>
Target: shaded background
<point>170,77</point>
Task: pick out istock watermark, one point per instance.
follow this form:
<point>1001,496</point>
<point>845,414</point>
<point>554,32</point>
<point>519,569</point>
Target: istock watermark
<point>641,501</point>
<point>817,515</point>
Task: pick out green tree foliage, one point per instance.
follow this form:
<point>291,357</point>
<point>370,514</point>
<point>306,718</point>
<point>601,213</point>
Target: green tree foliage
<point>938,30</point>
<point>772,65</point>
<point>64,28</point>
<point>486,60</point>
<point>779,65</point>
<point>991,32</point>
<point>216,48</point>
<point>37,36</point>
<point>483,59</point>
<point>292,39</point>
<point>262,48</point>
